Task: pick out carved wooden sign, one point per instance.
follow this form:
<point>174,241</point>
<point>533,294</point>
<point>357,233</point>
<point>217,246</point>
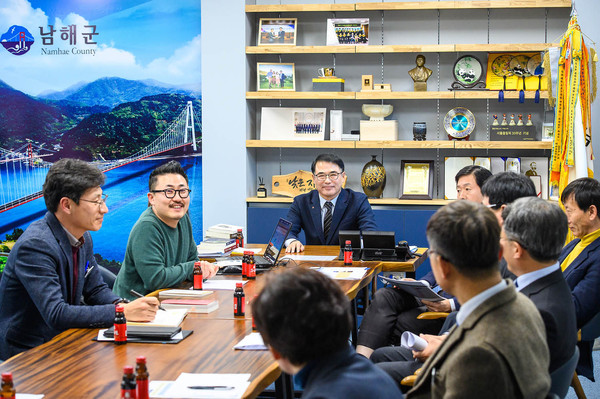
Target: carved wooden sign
<point>293,184</point>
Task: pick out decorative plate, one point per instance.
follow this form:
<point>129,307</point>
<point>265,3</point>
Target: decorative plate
<point>501,65</point>
<point>459,123</point>
<point>467,70</point>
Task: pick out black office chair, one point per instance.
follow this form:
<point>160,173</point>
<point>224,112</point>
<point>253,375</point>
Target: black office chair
<point>562,376</point>
<point>108,276</point>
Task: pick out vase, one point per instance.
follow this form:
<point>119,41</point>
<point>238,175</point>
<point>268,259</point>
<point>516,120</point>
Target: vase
<point>372,178</point>
<point>419,131</point>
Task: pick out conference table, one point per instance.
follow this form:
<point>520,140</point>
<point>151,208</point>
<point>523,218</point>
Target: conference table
<point>73,365</point>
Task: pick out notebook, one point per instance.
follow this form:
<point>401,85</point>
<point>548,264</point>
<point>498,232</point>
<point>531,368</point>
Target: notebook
<point>271,252</point>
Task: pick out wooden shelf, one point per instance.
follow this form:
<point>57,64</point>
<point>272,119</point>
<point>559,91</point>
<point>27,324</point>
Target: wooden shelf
<point>503,145</point>
<point>298,144</point>
<point>411,5</point>
<point>432,144</point>
<point>427,144</point>
<point>372,201</point>
<point>389,95</point>
<point>409,48</point>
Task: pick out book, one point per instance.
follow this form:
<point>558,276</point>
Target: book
<point>224,228</point>
<point>212,242</point>
<point>192,305</point>
<point>418,289</point>
<point>163,318</point>
<point>183,294</point>
<point>220,234</point>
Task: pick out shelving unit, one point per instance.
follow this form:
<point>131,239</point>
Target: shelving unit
<point>387,95</point>
<point>429,144</point>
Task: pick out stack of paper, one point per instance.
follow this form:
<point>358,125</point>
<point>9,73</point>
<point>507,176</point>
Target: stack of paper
<point>222,230</point>
<point>215,247</point>
<point>191,305</point>
<point>251,342</point>
<point>183,294</point>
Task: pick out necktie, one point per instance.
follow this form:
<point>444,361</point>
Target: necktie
<point>327,219</point>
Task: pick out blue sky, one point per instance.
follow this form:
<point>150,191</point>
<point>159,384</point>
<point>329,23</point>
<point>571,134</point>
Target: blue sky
<point>138,39</point>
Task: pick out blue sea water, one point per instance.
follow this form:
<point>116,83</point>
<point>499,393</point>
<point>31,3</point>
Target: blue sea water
<point>127,189</point>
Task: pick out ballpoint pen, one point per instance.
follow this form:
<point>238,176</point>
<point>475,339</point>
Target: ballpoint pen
<point>138,295</point>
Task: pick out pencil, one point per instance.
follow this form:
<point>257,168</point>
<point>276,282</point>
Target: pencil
<point>138,295</point>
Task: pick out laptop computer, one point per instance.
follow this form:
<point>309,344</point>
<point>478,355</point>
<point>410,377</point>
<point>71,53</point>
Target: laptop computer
<point>271,252</point>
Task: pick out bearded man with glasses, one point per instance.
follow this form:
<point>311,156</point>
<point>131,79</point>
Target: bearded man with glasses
<point>161,251</point>
<point>323,212</point>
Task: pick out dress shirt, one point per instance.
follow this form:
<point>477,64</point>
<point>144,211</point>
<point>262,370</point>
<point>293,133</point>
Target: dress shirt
<point>525,279</point>
<point>322,202</point>
<point>468,307</point>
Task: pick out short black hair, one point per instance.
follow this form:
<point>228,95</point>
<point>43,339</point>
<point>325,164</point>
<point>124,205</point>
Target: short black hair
<point>505,187</point>
<point>467,235</point>
<point>480,173</point>
<point>539,226</point>
<point>69,178</point>
<point>171,167</point>
<point>586,192</point>
<point>302,314</point>
<point>331,158</point>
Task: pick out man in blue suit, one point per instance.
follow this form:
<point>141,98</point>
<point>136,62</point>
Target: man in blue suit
<point>51,281</point>
<point>323,212</point>
<point>304,319</point>
<point>580,259</point>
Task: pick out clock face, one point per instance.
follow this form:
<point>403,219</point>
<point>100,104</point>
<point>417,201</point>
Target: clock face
<point>459,122</point>
<point>467,70</point>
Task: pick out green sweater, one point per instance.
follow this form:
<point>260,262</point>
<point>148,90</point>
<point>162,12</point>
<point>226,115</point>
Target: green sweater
<point>157,256</point>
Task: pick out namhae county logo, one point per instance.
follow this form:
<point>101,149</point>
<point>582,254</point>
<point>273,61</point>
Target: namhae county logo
<point>17,40</point>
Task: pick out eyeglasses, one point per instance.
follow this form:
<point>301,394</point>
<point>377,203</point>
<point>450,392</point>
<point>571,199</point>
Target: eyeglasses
<point>333,176</point>
<point>100,202</point>
<point>170,192</point>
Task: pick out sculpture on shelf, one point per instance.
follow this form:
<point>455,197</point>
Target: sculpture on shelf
<point>377,112</point>
<point>420,74</point>
<point>372,178</point>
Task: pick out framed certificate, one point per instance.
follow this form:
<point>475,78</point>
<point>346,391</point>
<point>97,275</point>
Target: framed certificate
<point>417,180</point>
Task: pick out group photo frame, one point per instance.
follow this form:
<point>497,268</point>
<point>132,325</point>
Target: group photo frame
<point>275,76</point>
<point>277,31</point>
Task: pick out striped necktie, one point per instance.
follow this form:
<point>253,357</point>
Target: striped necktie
<point>327,219</point>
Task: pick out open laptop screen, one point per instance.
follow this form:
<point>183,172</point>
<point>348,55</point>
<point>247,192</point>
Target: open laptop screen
<point>277,240</point>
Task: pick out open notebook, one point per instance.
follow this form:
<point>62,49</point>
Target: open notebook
<point>164,318</point>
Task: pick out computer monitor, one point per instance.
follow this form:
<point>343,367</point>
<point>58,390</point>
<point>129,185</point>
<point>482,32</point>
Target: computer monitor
<point>379,239</point>
<point>352,235</point>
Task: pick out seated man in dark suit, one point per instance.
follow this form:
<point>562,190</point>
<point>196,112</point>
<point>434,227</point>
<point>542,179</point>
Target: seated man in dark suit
<point>304,319</point>
<point>580,259</point>
<point>323,212</point>
<point>498,348</point>
<point>51,281</point>
<point>393,311</point>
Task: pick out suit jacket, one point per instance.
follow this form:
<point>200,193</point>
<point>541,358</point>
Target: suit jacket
<point>480,360</point>
<point>352,212</point>
<point>37,300</point>
<point>552,297</point>
<point>346,374</point>
<point>583,277</point>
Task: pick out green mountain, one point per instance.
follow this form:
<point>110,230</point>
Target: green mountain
<point>126,129</point>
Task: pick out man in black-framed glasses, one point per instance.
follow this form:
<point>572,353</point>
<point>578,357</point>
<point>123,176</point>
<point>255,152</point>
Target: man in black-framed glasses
<point>161,250</point>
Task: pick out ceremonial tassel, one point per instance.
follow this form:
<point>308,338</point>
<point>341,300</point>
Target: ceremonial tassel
<point>521,96</point>
<point>501,92</point>
<point>594,57</point>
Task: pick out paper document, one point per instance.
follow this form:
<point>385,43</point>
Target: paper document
<point>187,385</point>
<point>315,258</point>
<point>412,341</point>
<point>212,284</point>
<point>28,396</point>
<point>418,289</point>
<point>251,342</point>
<point>167,318</point>
<point>343,273</point>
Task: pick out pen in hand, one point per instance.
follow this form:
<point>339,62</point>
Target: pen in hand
<point>213,387</point>
<point>138,295</point>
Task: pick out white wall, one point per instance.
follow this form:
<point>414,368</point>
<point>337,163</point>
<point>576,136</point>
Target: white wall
<point>228,171</point>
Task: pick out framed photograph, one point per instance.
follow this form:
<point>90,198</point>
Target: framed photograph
<point>275,76</point>
<point>347,31</point>
<point>548,131</point>
<point>416,180</point>
<point>277,32</point>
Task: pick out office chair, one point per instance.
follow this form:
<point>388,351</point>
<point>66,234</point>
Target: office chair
<point>108,276</point>
<point>562,376</point>
<point>589,332</point>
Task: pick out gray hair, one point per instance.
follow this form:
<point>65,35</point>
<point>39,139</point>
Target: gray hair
<point>539,226</point>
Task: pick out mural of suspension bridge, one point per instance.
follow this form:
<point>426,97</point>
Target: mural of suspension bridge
<point>28,165</point>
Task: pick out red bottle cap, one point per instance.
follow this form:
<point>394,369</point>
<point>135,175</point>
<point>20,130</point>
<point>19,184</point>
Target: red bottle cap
<point>120,308</point>
<point>239,230</point>
<point>140,359</point>
<point>199,264</point>
<point>248,253</point>
<point>348,242</point>
<point>238,285</point>
<point>128,370</point>
<point>6,376</point>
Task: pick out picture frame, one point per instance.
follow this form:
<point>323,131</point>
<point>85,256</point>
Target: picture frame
<point>268,76</point>
<point>548,131</point>
<point>347,31</point>
<point>416,180</point>
<point>277,31</point>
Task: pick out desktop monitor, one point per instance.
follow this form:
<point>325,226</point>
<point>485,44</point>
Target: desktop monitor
<point>379,239</point>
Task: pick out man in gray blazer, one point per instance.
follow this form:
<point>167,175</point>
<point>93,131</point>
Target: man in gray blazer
<point>51,281</point>
<point>478,359</point>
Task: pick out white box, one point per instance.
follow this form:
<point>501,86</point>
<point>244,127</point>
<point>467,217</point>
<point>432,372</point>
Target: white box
<point>336,124</point>
<point>379,130</point>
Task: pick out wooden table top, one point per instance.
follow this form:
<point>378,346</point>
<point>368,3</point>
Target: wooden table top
<point>97,367</point>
